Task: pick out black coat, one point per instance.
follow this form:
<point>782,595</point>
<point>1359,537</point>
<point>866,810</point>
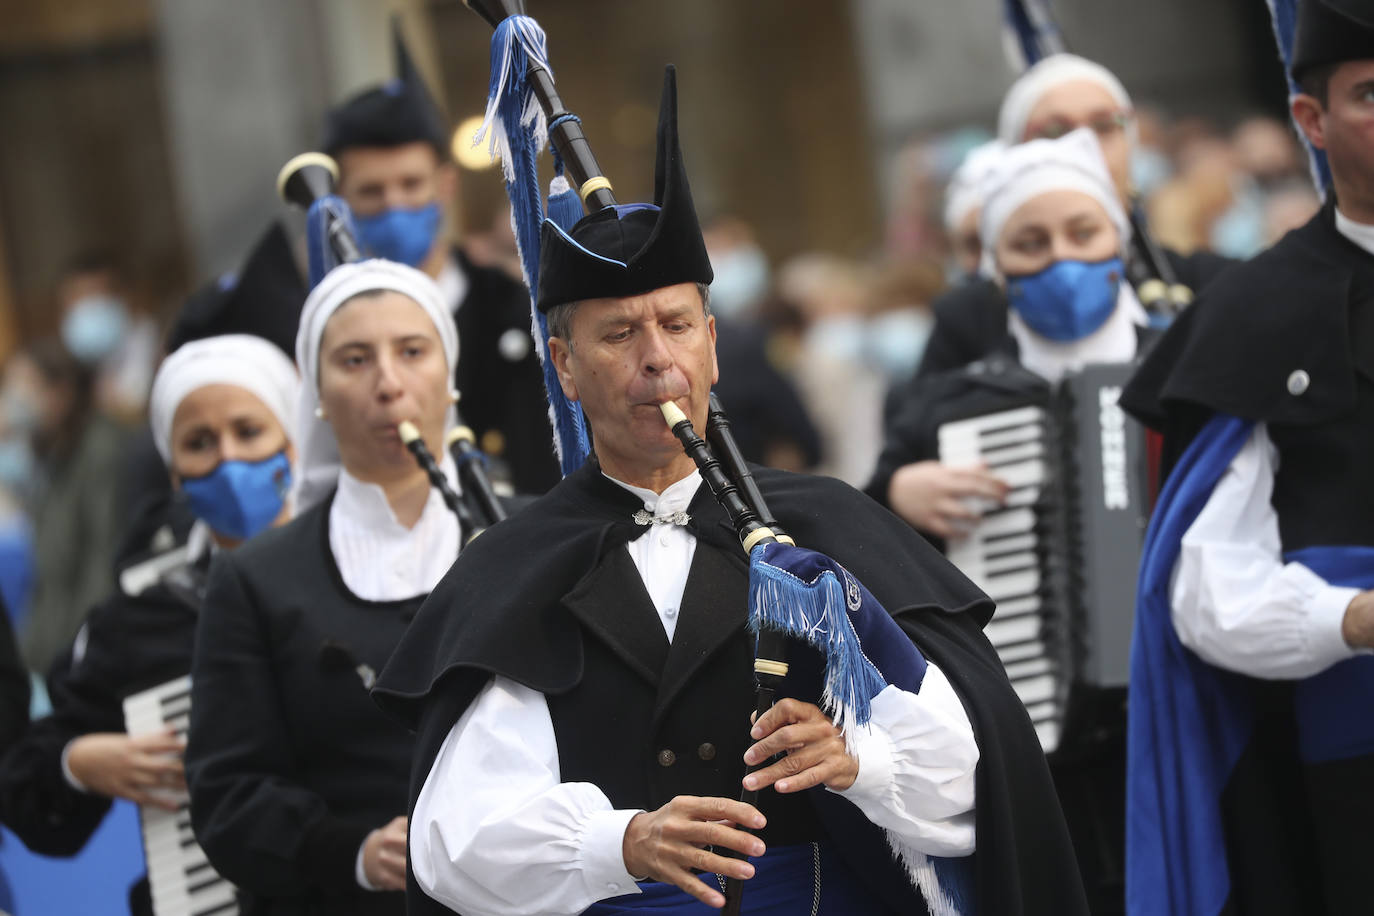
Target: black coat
<point>290,764</point>
<point>14,689</point>
<point>489,615</point>
<point>500,378</point>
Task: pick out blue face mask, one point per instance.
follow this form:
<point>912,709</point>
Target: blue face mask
<point>400,235</point>
<point>94,327</point>
<point>1068,300</point>
<point>240,498</point>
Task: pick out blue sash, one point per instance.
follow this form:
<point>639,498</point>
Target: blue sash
<point>784,884</point>
<point>1333,708</point>
<point>1189,721</point>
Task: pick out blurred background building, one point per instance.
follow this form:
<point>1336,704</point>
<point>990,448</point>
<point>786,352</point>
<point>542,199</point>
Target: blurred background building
<point>153,129</point>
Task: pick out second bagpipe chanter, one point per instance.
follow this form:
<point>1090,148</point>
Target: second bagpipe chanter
<point>308,181</point>
<point>794,595</point>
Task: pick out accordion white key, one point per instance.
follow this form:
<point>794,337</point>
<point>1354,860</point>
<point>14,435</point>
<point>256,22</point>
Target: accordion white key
<point>180,877</point>
<point>1062,556</point>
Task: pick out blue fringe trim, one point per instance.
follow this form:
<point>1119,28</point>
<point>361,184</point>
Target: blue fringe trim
<point>518,134</point>
<point>816,612</point>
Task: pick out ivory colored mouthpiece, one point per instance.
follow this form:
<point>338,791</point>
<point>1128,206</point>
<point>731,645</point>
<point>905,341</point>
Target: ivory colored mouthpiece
<point>407,431</point>
<point>460,434</point>
<point>672,413</point>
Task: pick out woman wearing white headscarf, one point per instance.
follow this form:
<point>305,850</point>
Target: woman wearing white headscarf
<point>298,782</point>
<point>1054,237</point>
<point>1060,94</point>
<point>221,411</point>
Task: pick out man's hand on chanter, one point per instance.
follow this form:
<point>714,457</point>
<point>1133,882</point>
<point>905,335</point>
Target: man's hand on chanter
<point>814,748</point>
<point>668,844</point>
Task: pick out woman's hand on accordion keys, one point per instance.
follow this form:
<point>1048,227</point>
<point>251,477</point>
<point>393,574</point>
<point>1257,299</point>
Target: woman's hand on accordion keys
<point>943,500</point>
<point>814,750</point>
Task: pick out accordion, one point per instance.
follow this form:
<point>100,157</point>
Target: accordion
<point>181,879</point>
<point>1060,557</point>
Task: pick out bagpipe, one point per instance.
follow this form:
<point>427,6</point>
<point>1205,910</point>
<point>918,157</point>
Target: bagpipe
<point>1033,34</point>
<point>795,595</point>
<point>308,182</point>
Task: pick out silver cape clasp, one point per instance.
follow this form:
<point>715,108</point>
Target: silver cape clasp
<point>645,517</point>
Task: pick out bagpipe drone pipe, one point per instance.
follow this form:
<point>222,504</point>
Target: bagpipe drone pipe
<point>795,595</point>
<point>308,182</point>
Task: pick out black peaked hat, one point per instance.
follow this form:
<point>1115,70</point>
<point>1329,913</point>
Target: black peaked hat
<point>398,112</point>
<point>630,249</point>
<point>1332,32</point>
<point>264,299</point>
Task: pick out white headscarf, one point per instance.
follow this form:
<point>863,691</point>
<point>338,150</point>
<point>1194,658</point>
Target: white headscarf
<point>1049,73</point>
<point>242,360</point>
<point>1072,163</point>
<point>319,451</point>
<point>963,195</point>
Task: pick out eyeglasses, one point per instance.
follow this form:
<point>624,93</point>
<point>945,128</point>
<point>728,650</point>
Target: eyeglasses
<point>1102,125</point>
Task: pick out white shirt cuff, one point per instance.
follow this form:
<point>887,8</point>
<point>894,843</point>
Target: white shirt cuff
<point>359,872</point>
<point>67,773</point>
<point>1325,614</point>
<point>873,748</point>
<point>603,854</point>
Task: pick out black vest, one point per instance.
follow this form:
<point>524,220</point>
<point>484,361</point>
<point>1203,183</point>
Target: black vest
<point>649,720</point>
<point>1324,488</point>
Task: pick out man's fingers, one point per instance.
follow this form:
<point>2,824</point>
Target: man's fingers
<point>718,809</point>
<point>141,797</point>
<point>158,743</point>
<point>979,483</point>
<point>800,769</point>
<point>699,889</point>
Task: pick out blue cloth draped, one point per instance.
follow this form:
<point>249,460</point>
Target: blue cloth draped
<point>784,883</point>
<point>1189,721</point>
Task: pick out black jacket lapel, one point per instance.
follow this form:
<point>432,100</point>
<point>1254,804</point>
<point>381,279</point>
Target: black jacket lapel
<point>612,603</point>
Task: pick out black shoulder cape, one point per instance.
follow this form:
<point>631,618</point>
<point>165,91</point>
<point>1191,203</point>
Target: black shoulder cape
<point>1236,350</point>
<point>498,611</point>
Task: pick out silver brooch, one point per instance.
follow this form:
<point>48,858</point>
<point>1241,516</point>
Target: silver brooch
<point>367,675</point>
<point>645,517</point>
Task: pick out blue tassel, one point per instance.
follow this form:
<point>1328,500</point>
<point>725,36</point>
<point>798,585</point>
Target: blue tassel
<point>565,207</point>
<point>518,134</point>
<point>317,219</point>
<point>815,612</point>
<point>1285,16</point>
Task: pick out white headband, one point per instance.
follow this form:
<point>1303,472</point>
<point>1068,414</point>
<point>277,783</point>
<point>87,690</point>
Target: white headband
<point>963,195</point>
<point>1072,163</point>
<point>319,451</point>
<point>242,360</point>
<point>1053,71</point>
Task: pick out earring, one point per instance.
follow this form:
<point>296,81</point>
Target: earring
<point>454,396</point>
<point>319,413</point>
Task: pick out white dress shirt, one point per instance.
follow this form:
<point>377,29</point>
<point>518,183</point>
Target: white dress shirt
<point>379,559</point>
<point>1234,601</point>
<point>496,831</point>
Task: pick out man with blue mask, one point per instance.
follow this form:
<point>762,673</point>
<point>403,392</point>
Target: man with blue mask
<point>391,145</point>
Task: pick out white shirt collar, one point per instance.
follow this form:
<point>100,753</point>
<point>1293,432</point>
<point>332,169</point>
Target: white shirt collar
<point>365,504</point>
<point>1359,233</point>
<point>452,282</point>
<point>674,498</point>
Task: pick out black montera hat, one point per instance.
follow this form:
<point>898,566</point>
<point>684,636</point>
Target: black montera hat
<point>633,248</point>
<point>263,299</point>
<point>1332,32</point>
<point>398,112</point>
